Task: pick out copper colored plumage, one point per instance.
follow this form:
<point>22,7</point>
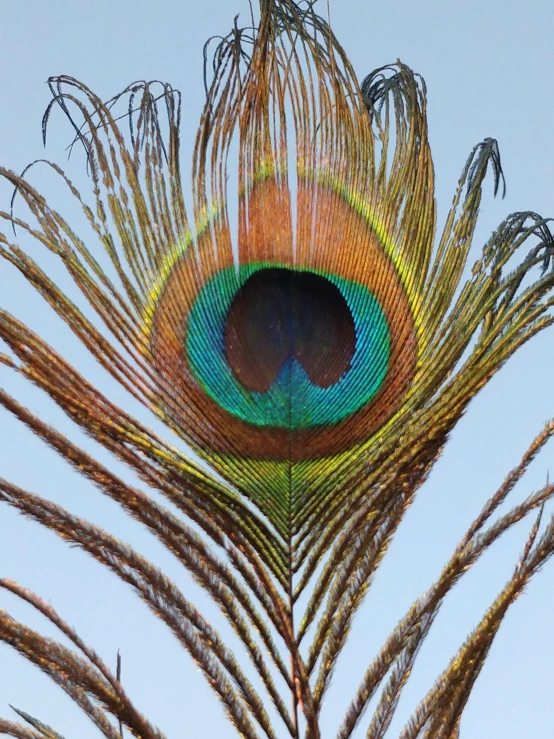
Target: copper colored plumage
<point>315,364</point>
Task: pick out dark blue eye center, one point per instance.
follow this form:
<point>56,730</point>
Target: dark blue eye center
<point>280,315</point>
<point>287,348</point>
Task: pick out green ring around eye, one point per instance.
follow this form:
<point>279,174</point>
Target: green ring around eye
<point>292,401</point>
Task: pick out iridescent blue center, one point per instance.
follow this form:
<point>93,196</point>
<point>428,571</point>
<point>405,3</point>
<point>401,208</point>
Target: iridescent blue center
<point>293,399</point>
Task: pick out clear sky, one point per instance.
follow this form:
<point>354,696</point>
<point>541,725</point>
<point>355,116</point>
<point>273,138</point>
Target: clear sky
<point>489,70</point>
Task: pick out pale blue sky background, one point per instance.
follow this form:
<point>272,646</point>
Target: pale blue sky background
<point>489,69</point>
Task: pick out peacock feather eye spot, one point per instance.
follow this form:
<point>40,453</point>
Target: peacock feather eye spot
<point>281,315</point>
<point>287,348</point>
<point>299,349</point>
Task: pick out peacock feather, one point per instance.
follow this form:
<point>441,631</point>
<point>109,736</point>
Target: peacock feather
<point>306,334</point>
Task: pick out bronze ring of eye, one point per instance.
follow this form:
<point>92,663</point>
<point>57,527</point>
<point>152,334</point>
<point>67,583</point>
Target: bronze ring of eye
<point>283,345</point>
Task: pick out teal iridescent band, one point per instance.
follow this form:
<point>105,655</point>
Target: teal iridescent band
<point>292,401</point>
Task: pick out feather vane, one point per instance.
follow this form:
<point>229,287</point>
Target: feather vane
<point>315,361</point>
